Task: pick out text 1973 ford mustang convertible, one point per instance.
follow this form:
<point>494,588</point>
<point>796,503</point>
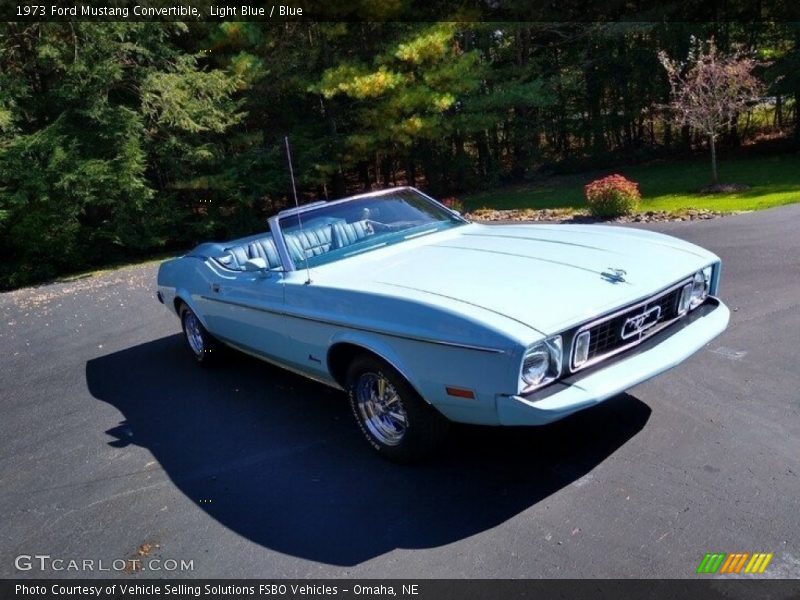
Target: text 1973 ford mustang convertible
<point>425,318</point>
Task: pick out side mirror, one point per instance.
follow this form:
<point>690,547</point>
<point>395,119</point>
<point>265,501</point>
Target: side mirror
<point>257,265</point>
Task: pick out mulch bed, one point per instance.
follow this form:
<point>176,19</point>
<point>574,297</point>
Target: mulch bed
<point>549,215</point>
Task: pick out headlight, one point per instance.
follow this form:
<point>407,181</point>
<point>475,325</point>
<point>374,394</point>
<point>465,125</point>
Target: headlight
<point>701,284</point>
<point>695,293</point>
<point>541,364</point>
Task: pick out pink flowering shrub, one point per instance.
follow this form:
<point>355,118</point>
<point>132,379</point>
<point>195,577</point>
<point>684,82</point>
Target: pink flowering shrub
<point>612,196</point>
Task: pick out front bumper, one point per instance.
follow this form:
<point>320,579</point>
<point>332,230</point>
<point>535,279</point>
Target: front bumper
<point>659,353</point>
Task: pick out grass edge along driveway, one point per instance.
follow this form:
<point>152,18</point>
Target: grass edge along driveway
<point>665,186</point>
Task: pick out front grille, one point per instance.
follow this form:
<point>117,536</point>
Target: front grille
<point>606,334</point>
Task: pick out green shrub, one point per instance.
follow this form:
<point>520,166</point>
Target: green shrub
<point>612,196</point>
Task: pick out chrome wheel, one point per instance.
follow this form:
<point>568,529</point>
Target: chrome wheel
<point>381,408</point>
<point>395,420</point>
<point>194,334</point>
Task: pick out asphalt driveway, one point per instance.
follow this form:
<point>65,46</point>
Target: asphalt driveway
<point>113,445</point>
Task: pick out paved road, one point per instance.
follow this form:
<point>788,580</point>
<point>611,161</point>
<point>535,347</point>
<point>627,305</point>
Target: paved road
<point>113,444</point>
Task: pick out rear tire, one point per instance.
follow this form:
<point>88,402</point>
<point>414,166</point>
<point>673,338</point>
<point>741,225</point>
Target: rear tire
<point>394,419</point>
<point>205,349</point>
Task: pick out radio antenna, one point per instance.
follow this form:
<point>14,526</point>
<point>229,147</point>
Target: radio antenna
<point>297,205</point>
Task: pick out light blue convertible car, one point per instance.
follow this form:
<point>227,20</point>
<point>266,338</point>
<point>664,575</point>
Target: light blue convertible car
<point>424,318</point>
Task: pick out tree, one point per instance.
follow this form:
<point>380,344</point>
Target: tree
<point>784,72</point>
<point>709,90</point>
<point>97,121</point>
<point>117,139</point>
<point>405,100</point>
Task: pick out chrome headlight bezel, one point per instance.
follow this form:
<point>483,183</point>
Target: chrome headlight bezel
<point>541,364</point>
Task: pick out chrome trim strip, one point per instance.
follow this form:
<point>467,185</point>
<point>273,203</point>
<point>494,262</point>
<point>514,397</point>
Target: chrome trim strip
<point>304,207</point>
<point>644,335</point>
<point>356,328</point>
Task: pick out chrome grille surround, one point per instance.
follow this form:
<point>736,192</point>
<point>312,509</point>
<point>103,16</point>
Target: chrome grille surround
<point>606,337</point>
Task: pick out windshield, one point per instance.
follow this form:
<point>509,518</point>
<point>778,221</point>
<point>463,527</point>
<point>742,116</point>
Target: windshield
<point>339,230</point>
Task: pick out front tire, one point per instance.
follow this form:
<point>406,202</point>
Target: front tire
<point>204,348</point>
<point>394,419</point>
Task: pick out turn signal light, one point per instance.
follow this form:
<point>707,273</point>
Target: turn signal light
<point>581,349</point>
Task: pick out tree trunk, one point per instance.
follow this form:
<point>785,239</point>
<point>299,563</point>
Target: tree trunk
<point>339,184</point>
<point>797,92</point>
<point>363,175</point>
<point>733,132</point>
<point>498,152</point>
<point>462,162</point>
<point>519,145</point>
<point>484,156</point>
<point>797,117</point>
<point>686,138</point>
<point>386,171</point>
<point>429,171</point>
<point>714,178</point>
<point>595,110</point>
<point>411,170</point>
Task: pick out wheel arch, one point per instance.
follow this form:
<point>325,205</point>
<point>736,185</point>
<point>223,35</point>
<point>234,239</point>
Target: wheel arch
<point>345,348</point>
<point>183,297</point>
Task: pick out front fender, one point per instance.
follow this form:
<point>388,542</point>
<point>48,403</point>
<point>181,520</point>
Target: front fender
<point>373,343</point>
<point>430,368</point>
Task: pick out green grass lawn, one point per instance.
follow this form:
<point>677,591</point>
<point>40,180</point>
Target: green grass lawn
<point>668,186</point>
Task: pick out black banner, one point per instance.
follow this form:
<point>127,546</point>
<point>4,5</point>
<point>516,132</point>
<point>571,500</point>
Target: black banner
<point>406,589</point>
<point>402,10</point>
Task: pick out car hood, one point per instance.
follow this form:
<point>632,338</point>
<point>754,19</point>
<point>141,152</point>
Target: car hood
<point>547,277</point>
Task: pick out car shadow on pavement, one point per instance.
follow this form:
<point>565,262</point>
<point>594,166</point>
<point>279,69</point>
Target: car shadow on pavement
<point>279,460</point>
